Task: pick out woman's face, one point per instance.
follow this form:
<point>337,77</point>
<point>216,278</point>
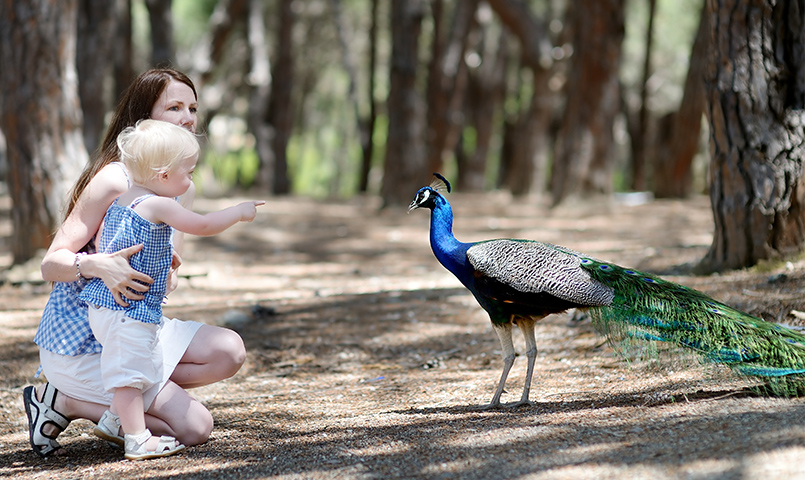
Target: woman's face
<point>177,104</point>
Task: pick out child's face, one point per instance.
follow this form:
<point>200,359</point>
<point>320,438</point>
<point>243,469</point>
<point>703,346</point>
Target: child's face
<point>178,179</point>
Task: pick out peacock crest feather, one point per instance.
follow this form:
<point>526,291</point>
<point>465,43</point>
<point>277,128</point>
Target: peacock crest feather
<point>440,184</point>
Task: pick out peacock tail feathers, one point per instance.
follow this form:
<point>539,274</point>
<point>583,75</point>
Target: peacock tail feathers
<point>647,307</point>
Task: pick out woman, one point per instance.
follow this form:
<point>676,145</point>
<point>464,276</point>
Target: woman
<point>69,354</point>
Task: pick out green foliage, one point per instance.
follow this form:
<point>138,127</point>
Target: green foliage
<point>191,19</point>
<point>235,168</point>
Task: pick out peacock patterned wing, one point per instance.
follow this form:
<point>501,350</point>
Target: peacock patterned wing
<point>537,268</point>
<point>650,308</point>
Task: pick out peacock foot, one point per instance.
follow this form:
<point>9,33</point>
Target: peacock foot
<point>491,406</point>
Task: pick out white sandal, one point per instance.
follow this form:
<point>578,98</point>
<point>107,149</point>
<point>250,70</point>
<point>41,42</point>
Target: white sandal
<point>108,428</point>
<point>41,414</point>
<point>135,446</point>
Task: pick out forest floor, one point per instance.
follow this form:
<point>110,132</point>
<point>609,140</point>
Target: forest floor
<point>368,360</point>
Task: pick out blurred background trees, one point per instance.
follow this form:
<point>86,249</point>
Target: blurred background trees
<point>551,100</point>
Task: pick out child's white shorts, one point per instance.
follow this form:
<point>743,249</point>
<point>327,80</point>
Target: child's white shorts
<point>79,376</point>
<point>132,354</point>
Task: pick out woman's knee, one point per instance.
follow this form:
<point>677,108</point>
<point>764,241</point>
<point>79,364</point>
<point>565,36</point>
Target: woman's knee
<point>232,351</point>
<point>198,429</point>
<point>218,346</point>
<point>177,413</point>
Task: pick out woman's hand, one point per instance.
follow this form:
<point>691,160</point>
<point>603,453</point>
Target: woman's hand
<point>124,282</point>
<point>173,275</point>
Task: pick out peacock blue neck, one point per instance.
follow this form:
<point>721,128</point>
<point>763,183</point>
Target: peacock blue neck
<point>450,252</point>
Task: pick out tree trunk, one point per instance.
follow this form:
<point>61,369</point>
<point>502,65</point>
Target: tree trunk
<point>404,170</point>
<point>259,84</point>
<point>42,118</point>
<point>280,111</point>
<point>526,142</point>
<point>348,63</point>
<point>225,17</point>
<point>756,92</point>
<point>678,143</point>
<point>367,145</point>
<point>124,51</point>
<point>97,22</point>
<point>535,44</point>
<point>582,162</point>
<point>228,16</point>
<point>159,16</point>
<point>487,88</point>
<point>447,79</point>
<point>526,137</point>
<point>639,134</point>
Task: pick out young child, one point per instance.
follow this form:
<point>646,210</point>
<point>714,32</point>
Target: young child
<point>160,158</point>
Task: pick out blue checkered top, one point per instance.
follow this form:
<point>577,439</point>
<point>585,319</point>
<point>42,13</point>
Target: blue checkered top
<point>122,228</point>
<point>64,328</point>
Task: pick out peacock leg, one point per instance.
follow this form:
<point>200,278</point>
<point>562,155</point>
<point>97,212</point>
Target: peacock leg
<point>527,327</point>
<point>504,332</point>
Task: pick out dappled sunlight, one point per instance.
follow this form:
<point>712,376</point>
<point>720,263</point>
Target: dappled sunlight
<point>367,359</point>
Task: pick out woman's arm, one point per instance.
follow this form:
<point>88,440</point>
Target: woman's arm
<point>59,263</point>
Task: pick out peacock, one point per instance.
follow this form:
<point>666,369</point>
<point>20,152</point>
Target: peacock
<point>518,282</point>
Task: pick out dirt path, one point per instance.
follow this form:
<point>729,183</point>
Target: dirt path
<point>368,360</point>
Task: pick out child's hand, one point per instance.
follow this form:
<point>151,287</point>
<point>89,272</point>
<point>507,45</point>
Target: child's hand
<point>248,210</point>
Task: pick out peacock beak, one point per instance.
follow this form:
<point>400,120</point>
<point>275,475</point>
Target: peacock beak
<point>413,206</point>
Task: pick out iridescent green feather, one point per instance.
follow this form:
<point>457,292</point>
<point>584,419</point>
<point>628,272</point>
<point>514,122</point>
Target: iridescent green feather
<point>650,308</point>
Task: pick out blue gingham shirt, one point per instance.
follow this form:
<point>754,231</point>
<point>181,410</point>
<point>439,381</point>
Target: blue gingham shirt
<point>64,328</point>
<point>123,227</point>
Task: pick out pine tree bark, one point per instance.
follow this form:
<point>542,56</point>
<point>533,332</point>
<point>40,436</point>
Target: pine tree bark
<point>447,80</point>
<point>640,132</point>
<point>524,165</point>
<point>367,143</point>
<point>756,92</point>
<point>97,20</point>
<point>582,161</point>
<point>280,111</point>
<point>162,48</point>
<point>41,116</point>
<point>484,98</point>
<point>678,138</point>
<point>524,158</point>
<point>123,70</point>
<point>259,84</point>
<point>404,164</point>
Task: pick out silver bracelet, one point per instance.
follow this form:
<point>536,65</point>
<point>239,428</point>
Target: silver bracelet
<point>77,263</point>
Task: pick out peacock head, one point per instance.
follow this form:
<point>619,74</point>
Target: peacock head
<point>426,196</point>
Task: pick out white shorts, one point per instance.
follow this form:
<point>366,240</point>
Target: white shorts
<point>132,356</point>
<point>79,376</point>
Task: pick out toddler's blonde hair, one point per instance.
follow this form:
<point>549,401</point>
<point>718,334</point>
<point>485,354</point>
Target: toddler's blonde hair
<point>153,147</point>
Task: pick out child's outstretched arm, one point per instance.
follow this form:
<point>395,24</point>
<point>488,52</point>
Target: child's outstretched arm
<point>167,210</point>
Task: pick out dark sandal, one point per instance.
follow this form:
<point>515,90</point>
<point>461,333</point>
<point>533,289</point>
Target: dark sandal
<point>41,414</point>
